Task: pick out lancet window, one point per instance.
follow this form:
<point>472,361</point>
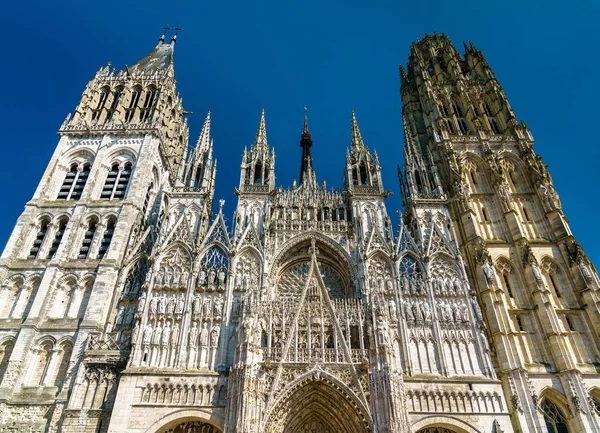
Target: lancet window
<point>117,181</point>
<point>88,238</point>
<point>39,239</point>
<point>148,102</point>
<point>74,182</point>
<point>58,235</point>
<point>554,418</point>
<point>6,349</point>
<point>115,101</point>
<point>97,112</point>
<point>215,266</point>
<point>133,102</point>
<point>107,238</point>
<point>294,278</point>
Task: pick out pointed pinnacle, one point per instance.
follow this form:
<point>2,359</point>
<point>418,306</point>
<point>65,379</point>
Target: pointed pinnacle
<point>357,141</point>
<point>261,134</point>
<point>305,130</point>
<point>204,138</point>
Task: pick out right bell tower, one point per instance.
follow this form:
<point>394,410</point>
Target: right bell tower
<point>538,291</point>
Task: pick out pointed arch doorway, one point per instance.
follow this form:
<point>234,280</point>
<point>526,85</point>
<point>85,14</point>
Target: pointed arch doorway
<point>316,407</point>
<point>190,426</point>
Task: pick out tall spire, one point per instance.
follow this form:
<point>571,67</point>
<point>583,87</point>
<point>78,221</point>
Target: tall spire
<point>357,141</point>
<point>260,143</point>
<point>305,144</point>
<point>204,138</point>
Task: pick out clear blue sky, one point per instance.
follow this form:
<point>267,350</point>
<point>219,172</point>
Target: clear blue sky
<point>234,58</point>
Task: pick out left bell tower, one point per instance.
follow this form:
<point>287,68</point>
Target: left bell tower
<point>94,214</point>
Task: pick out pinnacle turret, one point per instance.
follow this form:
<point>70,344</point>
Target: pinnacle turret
<point>306,144</point>
<point>357,141</point>
<point>260,142</point>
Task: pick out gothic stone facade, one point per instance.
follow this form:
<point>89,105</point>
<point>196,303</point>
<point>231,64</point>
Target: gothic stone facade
<point>125,306</point>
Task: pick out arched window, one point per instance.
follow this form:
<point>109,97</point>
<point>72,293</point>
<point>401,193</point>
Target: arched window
<point>485,215</point>
<point>133,102</point>
<point>555,419</point>
<point>41,363</point>
<point>39,239</point>
<point>116,183</point>
<point>6,349</point>
<point>460,117</point>
<point>258,173</point>
<point>554,285</point>
<point>148,102</point>
<point>487,109</point>
<point>147,198</point>
<point>570,324</point>
<point>507,285</point>
<point>526,214</point>
<point>60,231</point>
<point>74,182</point>
<point>520,324</point>
<point>61,365</point>
<point>88,238</point>
<point>418,183</point>
<point>364,176</point>
<point>107,238</point>
<point>115,101</point>
<point>101,102</point>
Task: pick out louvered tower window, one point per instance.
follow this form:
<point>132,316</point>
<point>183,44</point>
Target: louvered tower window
<point>148,102</point>
<point>39,240</point>
<point>74,183</point>
<point>101,103</point>
<point>116,183</point>
<point>88,238</point>
<point>113,106</point>
<point>133,102</point>
<point>60,231</point>
<point>106,239</point>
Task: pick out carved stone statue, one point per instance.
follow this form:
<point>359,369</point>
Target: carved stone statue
<point>153,303</point>
<point>162,305</point>
<point>204,335</point>
<point>180,304</point>
<point>193,336</point>
<point>142,302</point>
<point>426,309</point>
<point>166,334</point>
<point>221,278</point>
<point>156,335</point>
<point>171,305</point>
<point>214,336</point>
<point>175,335</point>
<point>211,277</point>
<point>408,310</point>
<point>202,278</point>
<point>217,306</point>
<point>488,271</point>
<point>393,311</point>
<point>147,334</point>
<point>196,306</point>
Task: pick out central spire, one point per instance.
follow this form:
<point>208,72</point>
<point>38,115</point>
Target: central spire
<point>305,144</point>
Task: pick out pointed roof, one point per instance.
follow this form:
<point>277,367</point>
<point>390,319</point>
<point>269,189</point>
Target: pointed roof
<point>357,140</point>
<point>305,144</point>
<point>159,60</point>
<point>204,137</point>
<point>260,142</point>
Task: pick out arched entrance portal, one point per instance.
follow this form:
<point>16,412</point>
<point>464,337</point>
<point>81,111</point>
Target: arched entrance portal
<point>436,430</point>
<point>190,426</point>
<point>317,407</point>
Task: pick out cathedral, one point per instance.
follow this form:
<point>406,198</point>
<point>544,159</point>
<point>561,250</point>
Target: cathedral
<point>127,304</point>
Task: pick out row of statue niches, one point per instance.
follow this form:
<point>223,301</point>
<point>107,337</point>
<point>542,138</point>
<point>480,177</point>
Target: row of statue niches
<point>212,280</point>
<point>418,287</point>
<point>449,312</point>
<point>167,334</point>
<point>163,304</point>
<point>208,307</point>
<point>244,281</point>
